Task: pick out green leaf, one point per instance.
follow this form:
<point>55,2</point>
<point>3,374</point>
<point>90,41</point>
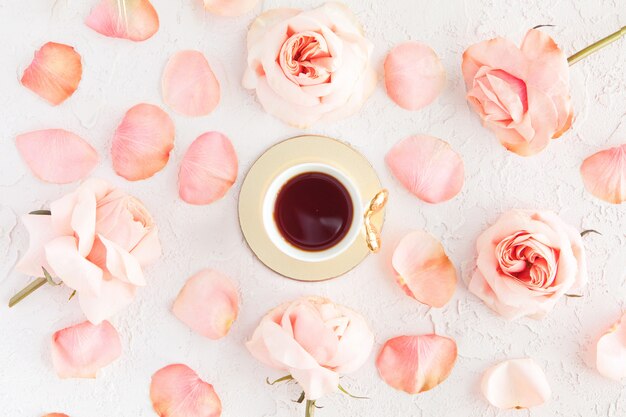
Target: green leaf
<point>283,379</point>
<point>543,26</point>
<point>48,278</point>
<point>574,295</point>
<point>300,399</point>
<point>41,212</point>
<point>342,389</point>
<point>586,232</point>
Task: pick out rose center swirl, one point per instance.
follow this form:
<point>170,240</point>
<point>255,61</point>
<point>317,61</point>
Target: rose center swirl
<point>305,58</point>
<point>524,257</point>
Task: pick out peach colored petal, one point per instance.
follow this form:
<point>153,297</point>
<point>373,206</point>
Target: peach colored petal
<point>208,303</point>
<point>414,75</point>
<point>415,364</point>
<point>611,351</point>
<point>428,167</point>
<point>55,72</point>
<point>82,350</point>
<point>604,174</point>
<point>56,155</point>
<point>177,391</point>
<point>208,170</point>
<point>424,270</point>
<point>516,383</point>
<point>189,85</point>
<point>56,415</point>
<point>142,142</point>
<point>136,20</point>
<point>229,7</point>
<point>494,53</point>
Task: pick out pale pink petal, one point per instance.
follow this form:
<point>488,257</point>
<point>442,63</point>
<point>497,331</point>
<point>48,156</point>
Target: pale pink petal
<point>81,350</point>
<point>128,19</point>
<point>414,75</point>
<point>56,155</point>
<point>312,333</point>
<point>428,167</point>
<point>611,351</point>
<point>208,303</point>
<point>604,174</point>
<point>229,7</point>
<point>177,391</point>
<point>516,383</point>
<point>40,232</point>
<point>415,364</point>
<point>121,264</point>
<point>55,72</point>
<point>208,170</point>
<point>148,250</point>
<point>142,142</point>
<point>424,270</point>
<point>69,265</point>
<point>189,85</point>
<point>114,295</point>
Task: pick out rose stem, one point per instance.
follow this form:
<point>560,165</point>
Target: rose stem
<point>28,290</point>
<point>310,408</point>
<point>584,53</point>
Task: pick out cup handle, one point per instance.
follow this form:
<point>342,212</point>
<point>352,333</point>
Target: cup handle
<point>372,234</point>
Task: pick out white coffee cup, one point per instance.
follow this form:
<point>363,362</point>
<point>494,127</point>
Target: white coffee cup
<point>275,235</point>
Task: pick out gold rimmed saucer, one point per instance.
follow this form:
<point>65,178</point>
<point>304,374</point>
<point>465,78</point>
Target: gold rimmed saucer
<point>260,182</point>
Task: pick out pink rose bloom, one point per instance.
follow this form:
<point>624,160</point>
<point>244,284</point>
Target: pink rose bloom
<point>526,261</point>
<point>314,340</point>
<point>96,240</point>
<point>521,94</point>
<point>309,66</point>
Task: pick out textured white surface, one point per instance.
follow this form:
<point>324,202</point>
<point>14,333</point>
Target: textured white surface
<point>119,74</point>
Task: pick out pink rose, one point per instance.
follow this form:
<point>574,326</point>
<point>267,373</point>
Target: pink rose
<point>309,66</point>
<point>526,261</point>
<point>315,341</point>
<point>96,240</point>
<point>522,94</point>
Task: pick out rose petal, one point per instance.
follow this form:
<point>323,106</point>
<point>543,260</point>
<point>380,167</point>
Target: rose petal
<point>40,232</point>
<point>127,19</point>
<point>142,142</point>
<point>56,415</point>
<point>516,383</point>
<point>414,75</point>
<point>56,155</point>
<point>55,72</point>
<point>428,167</point>
<point>611,351</point>
<point>604,174</point>
<point>81,350</point>
<point>415,364</point>
<point>208,170</point>
<point>121,264</point>
<point>189,85</point>
<point>177,391</point>
<point>424,270</point>
<point>114,295</point>
<point>73,268</point>
<point>208,303</point>
<point>229,7</point>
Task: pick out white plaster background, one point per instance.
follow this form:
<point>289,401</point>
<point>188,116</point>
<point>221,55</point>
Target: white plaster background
<point>119,74</point>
